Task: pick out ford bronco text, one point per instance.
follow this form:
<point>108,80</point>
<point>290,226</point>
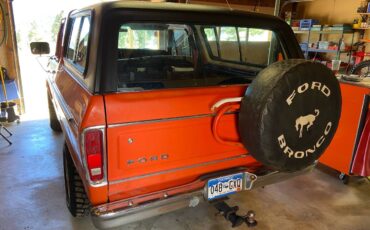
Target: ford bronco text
<point>167,105</point>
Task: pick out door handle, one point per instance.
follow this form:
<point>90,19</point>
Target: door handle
<point>224,101</point>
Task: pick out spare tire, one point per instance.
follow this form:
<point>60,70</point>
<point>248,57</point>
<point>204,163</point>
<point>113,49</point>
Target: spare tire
<point>290,113</point>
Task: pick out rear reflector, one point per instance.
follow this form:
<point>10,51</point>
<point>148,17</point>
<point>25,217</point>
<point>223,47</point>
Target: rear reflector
<point>94,154</point>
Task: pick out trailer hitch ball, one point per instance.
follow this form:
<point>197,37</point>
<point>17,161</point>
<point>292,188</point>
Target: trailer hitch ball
<point>230,214</point>
<point>250,219</point>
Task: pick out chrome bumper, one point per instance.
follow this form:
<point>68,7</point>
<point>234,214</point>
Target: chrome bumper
<point>110,216</point>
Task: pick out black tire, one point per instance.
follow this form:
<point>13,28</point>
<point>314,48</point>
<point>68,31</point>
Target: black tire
<point>361,66</point>
<point>77,202</point>
<point>53,119</point>
<point>290,113</point>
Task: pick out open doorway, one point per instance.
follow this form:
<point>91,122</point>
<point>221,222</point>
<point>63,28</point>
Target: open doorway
<point>38,20</point>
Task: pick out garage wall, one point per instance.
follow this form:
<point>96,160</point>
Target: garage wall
<point>330,11</point>
<point>265,10</point>
<point>8,48</point>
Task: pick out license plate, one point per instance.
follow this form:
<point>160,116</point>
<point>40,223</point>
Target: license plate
<point>223,186</point>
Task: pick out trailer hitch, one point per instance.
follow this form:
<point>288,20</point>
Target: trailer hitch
<point>230,215</point>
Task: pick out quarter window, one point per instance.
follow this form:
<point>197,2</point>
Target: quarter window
<point>73,39</point>
<point>242,45</point>
<point>78,42</point>
<point>81,54</point>
<point>228,34</point>
<point>212,40</point>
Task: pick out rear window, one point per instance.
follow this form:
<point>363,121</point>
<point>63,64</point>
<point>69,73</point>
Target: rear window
<point>159,56</point>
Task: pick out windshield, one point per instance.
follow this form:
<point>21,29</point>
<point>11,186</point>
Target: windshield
<point>159,55</point>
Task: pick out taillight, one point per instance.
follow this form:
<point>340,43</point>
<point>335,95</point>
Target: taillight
<point>94,154</point>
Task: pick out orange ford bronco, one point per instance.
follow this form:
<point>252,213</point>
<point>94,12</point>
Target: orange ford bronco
<point>166,105</point>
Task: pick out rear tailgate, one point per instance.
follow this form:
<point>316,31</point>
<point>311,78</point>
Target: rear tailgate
<point>160,139</point>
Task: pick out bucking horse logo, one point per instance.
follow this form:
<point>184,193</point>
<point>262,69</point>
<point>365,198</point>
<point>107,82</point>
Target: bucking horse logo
<point>305,120</point>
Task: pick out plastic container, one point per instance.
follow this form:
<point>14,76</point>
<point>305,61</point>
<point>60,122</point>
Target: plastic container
<point>306,24</point>
<point>323,45</point>
<point>335,65</point>
<point>303,45</point>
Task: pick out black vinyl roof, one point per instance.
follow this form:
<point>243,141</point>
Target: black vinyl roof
<point>169,6</point>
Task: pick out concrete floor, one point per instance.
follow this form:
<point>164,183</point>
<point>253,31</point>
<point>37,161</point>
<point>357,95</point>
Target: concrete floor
<point>32,194</point>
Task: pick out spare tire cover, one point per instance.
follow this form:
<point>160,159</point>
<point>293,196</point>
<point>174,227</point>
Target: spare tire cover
<point>290,113</point>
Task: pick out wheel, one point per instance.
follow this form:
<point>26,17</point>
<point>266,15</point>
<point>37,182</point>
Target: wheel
<point>344,178</point>
<point>290,113</point>
<point>53,119</point>
<point>76,198</point>
<point>362,68</point>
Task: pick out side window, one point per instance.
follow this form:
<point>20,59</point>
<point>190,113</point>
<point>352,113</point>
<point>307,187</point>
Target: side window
<point>243,34</point>
<point>228,34</point>
<point>212,40</point>
<point>123,38</point>
<point>83,40</point>
<point>73,39</point>
<point>78,42</point>
<point>242,45</point>
<point>138,38</point>
<point>181,42</point>
<point>229,46</point>
<point>58,50</point>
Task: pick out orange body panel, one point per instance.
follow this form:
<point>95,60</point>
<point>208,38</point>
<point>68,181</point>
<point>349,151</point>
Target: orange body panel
<point>87,110</point>
<point>95,112</point>
<point>340,151</point>
<point>139,135</point>
<point>160,104</point>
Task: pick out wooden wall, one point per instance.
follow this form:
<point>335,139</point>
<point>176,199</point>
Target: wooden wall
<point>330,11</point>
<point>8,48</point>
<point>263,8</point>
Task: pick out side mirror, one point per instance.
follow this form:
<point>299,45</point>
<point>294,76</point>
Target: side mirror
<point>40,48</point>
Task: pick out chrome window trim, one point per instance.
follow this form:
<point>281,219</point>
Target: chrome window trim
<point>63,105</point>
<point>102,182</point>
<point>65,117</point>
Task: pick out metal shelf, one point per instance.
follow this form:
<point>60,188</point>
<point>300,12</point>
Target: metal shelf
<point>323,31</point>
<point>324,51</point>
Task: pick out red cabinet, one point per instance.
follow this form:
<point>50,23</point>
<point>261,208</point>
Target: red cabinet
<point>349,151</point>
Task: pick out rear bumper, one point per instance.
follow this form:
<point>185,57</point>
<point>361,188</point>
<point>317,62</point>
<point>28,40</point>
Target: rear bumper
<point>124,212</point>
